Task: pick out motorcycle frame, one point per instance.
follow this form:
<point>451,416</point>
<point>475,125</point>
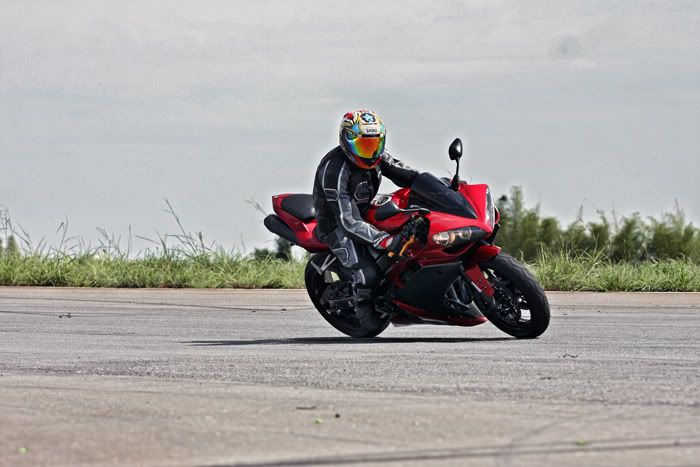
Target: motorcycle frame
<point>465,257</point>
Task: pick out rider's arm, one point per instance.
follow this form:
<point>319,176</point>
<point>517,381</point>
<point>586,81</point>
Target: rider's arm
<point>396,171</point>
<point>336,189</point>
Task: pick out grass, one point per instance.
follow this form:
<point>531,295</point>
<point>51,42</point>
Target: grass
<point>593,273</point>
<point>180,260</point>
<point>203,271</point>
<point>192,263</point>
<point>224,270</point>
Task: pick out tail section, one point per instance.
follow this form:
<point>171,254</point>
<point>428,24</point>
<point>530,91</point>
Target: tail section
<point>295,221</point>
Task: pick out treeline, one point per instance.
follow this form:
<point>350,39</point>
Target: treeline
<point>527,235</point>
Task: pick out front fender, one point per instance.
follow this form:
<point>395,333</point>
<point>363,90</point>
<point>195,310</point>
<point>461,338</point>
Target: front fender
<point>483,252</point>
<point>471,261</point>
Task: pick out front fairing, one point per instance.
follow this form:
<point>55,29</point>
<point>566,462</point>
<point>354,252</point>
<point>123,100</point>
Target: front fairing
<point>432,193</point>
<point>438,194</point>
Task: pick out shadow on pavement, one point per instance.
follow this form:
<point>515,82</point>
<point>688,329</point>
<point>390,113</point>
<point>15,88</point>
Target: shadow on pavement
<point>350,340</point>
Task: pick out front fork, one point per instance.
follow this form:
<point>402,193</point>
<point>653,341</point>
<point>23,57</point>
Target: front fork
<point>480,285</point>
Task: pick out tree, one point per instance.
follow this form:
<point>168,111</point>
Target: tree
<point>628,243</point>
<point>549,235</point>
<point>262,254</point>
<point>600,233</point>
<point>671,237</point>
<point>12,249</point>
<point>284,249</point>
<point>522,233</point>
<point>512,214</point>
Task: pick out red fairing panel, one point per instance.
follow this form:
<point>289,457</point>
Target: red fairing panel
<point>393,224</point>
<point>303,231</point>
<point>483,253</point>
<point>439,222</point>
<point>425,315</point>
<point>476,194</point>
<point>432,253</point>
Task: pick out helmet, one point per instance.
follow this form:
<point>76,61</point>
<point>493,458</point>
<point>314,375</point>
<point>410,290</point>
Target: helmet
<point>362,137</point>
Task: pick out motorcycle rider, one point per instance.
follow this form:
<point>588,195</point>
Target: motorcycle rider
<point>347,179</point>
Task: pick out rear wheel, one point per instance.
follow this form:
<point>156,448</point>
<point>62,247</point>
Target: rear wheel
<point>332,297</point>
<point>520,306</point>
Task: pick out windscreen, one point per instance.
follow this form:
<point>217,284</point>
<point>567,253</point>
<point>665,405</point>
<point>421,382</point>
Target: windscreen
<point>430,192</point>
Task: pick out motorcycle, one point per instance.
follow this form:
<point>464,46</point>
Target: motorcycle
<point>447,271</point>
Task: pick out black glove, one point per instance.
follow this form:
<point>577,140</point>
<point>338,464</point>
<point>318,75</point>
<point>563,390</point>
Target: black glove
<point>416,227</point>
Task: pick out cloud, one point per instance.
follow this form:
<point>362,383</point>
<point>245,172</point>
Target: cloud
<point>222,97</point>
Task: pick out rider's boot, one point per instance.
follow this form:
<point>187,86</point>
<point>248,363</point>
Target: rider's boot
<point>362,303</point>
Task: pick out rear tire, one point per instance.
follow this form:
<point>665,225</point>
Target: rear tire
<point>369,326</point>
<point>516,290</point>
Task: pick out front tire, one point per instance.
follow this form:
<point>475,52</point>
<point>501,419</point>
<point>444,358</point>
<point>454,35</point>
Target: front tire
<point>343,321</point>
<point>521,308</point>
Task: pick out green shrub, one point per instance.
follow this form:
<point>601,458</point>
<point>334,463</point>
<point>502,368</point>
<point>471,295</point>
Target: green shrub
<point>671,237</point>
<point>525,235</point>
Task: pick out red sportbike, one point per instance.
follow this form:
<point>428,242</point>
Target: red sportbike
<point>447,270</point>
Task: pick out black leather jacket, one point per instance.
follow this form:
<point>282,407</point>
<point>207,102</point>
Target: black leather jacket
<point>343,192</point>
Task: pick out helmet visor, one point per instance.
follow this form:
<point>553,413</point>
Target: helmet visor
<point>369,148</point>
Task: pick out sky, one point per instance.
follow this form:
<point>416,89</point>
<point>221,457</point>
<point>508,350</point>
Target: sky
<point>109,108</point>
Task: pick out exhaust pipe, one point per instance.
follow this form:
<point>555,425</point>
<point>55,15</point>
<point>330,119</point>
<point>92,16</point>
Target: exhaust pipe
<point>275,225</point>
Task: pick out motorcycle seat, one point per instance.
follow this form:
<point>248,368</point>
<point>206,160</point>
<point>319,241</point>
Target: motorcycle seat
<point>300,206</point>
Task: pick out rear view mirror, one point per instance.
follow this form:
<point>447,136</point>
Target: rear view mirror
<point>386,211</point>
<point>455,150</point>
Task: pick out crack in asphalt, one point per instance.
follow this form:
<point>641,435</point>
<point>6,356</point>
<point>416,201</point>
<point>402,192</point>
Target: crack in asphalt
<point>595,446</point>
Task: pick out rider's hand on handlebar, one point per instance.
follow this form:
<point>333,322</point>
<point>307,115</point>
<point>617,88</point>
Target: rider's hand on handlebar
<point>394,245</point>
<point>414,230</point>
<point>416,227</point>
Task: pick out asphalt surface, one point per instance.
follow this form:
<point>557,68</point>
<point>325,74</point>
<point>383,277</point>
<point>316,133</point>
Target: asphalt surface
<point>257,378</point>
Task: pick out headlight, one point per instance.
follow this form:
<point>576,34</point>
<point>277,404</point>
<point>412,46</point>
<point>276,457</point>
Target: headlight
<point>457,236</point>
<point>490,209</point>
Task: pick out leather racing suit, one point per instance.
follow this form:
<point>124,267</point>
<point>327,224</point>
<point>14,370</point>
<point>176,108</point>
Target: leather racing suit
<point>342,194</point>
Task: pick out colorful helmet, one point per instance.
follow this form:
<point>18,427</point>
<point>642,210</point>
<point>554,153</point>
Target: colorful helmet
<point>362,137</point>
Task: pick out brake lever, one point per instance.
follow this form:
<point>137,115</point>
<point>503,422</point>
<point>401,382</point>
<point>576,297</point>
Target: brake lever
<point>404,247</point>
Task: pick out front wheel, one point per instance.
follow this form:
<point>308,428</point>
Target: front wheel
<point>520,307</point>
<point>332,298</point>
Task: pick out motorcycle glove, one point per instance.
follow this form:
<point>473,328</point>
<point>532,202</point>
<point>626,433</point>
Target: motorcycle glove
<point>390,243</point>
